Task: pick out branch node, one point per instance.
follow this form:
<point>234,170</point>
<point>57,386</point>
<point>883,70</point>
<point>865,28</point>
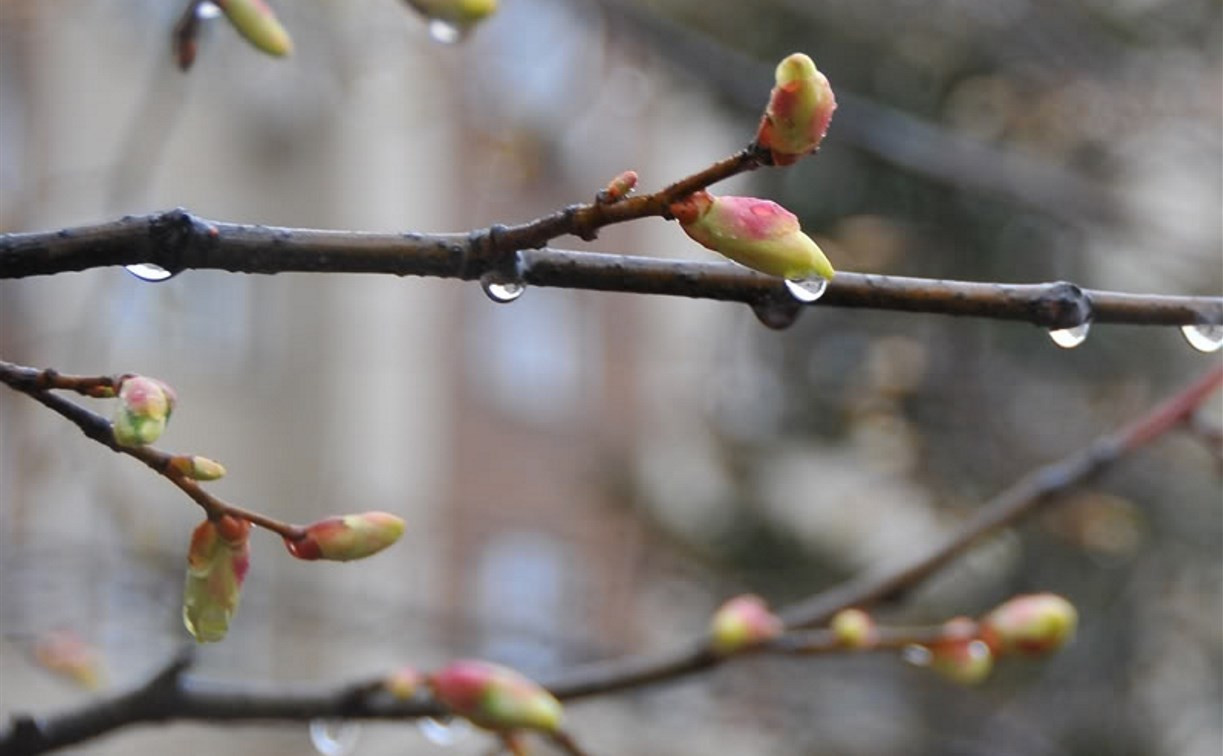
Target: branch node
<point>1062,305</point>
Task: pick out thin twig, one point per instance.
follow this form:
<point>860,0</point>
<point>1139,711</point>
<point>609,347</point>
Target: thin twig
<point>200,701</point>
<point>177,240</point>
<point>35,384</point>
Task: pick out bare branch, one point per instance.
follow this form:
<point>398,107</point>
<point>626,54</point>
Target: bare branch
<point>177,240</point>
<point>172,696</point>
<point>35,384</point>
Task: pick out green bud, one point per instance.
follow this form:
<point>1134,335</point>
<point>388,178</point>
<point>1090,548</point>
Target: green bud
<point>757,233</point>
<point>799,111</point>
<point>495,697</point>
<point>255,21</point>
<point>346,538</point>
<point>217,561</point>
<point>1030,625</point>
<point>742,622</point>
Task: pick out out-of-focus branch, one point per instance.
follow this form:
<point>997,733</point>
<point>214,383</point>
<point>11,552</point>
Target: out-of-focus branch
<point>172,696</point>
<point>177,240</point>
<point>37,384</point>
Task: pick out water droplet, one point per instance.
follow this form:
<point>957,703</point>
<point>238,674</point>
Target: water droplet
<point>334,737</point>
<point>1069,338</point>
<point>149,272</point>
<point>445,32</point>
<point>443,732</point>
<point>502,290</point>
<point>978,649</point>
<point>777,314</point>
<point>207,10</point>
<point>807,290</point>
<point>918,656</point>
<point>1204,338</point>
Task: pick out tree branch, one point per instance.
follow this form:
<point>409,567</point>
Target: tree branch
<point>172,696</point>
<point>177,240</point>
<point>35,384</point>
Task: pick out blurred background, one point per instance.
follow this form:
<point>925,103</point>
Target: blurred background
<point>589,475</point>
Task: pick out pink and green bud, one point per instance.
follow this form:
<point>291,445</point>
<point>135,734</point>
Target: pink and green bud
<point>198,468</point>
<point>460,13</point>
<point>618,188</point>
<point>255,21</point>
<point>216,566</point>
<point>403,683</point>
<point>741,623</point>
<point>855,628</point>
<point>1030,625</point>
<point>799,111</point>
<point>495,697</point>
<point>965,661</point>
<point>345,538</point>
<point>960,655</point>
<point>145,405</point>
<point>66,653</point>
<point>757,233</point>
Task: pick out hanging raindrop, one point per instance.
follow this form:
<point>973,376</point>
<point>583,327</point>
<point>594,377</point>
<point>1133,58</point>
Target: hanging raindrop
<point>445,32</point>
<point>777,314</point>
<point>443,732</point>
<point>1204,338</point>
<point>334,737</point>
<point>918,656</point>
<point>807,290</point>
<point>207,10</point>
<point>501,288</point>
<point>149,272</point>
<point>1069,338</point>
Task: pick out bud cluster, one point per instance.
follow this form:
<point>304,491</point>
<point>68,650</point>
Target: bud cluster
<point>144,410</point>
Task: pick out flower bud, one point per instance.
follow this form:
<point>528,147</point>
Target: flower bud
<point>618,188</point>
<point>348,537</point>
<point>255,21</point>
<point>855,628</point>
<point>403,683</point>
<point>960,655</point>
<point>742,622</point>
<point>217,561</point>
<point>198,468</point>
<point>461,13</point>
<point>144,409</point>
<point>66,653</point>
<point>965,661</point>
<point>1030,625</point>
<point>753,232</point>
<point>799,110</point>
<point>495,697</point>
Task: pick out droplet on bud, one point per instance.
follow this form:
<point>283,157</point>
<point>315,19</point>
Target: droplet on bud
<point>1204,338</point>
<point>443,732</point>
<point>807,290</point>
<point>451,20</point>
<point>445,32</point>
<point>1069,338</point>
<point>334,737</point>
<point>149,272</point>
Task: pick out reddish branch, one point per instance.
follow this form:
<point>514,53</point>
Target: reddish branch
<point>38,384</point>
<point>171,695</point>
